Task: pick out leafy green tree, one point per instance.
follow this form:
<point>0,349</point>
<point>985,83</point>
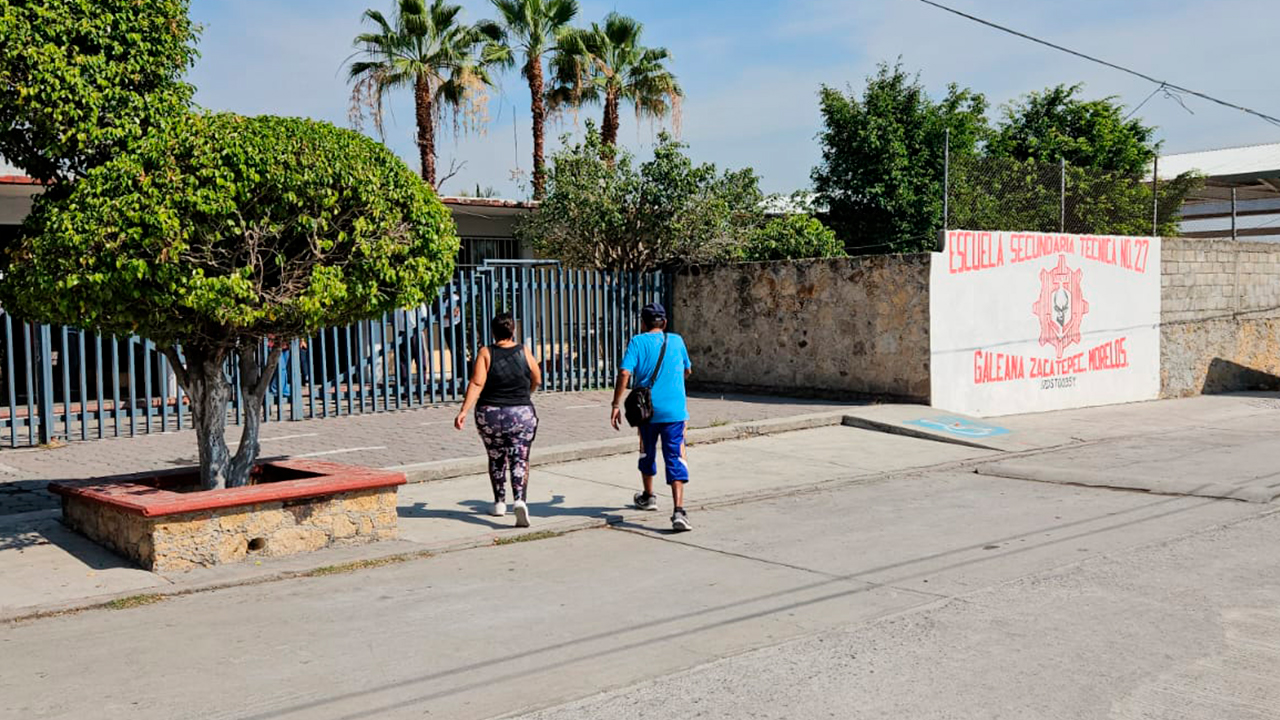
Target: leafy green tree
<point>792,237</point>
<point>81,79</point>
<point>607,64</point>
<point>427,48</point>
<point>220,232</point>
<point>1108,159</point>
<point>604,211</point>
<point>532,29</point>
<point>1054,125</point>
<point>881,173</point>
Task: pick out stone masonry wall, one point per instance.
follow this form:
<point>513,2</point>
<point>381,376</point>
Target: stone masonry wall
<point>838,327</point>
<point>200,539</point>
<point>1220,314</point>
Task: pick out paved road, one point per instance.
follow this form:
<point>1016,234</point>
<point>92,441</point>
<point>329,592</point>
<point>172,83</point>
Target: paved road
<point>923,594</point>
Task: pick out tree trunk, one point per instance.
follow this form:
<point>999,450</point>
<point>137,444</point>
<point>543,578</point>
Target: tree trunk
<point>539,116</point>
<point>204,380</point>
<point>426,129</point>
<point>609,127</point>
<point>255,378</point>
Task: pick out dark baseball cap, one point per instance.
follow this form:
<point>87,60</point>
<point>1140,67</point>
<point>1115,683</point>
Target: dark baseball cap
<point>653,311</point>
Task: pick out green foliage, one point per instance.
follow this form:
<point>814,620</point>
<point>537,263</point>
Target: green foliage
<point>793,237</point>
<point>426,48</point>
<point>217,231</point>
<point>882,159</point>
<point>81,79</point>
<point>607,64</point>
<point>223,229</point>
<point>1054,125</point>
<point>604,211</point>
<point>531,29</point>
<point>1017,181</point>
<point>882,177</point>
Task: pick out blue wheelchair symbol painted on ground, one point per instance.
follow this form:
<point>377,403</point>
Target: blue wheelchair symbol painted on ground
<point>960,427</point>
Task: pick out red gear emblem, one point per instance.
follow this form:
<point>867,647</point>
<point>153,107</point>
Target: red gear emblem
<point>1061,306</point>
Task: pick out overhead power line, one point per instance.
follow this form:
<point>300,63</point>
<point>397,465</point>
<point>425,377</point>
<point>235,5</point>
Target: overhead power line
<point>1162,84</point>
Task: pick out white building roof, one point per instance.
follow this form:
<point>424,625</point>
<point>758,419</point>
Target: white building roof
<point>8,169</point>
<point>1226,164</point>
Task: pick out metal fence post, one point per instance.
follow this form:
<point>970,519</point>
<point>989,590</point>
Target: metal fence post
<point>1062,194</point>
<point>1233,214</point>
<point>44,384</point>
<point>946,180</point>
<point>295,379</point>
<point>1155,196</point>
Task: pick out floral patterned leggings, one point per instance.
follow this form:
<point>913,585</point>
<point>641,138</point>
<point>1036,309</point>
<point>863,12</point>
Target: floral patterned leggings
<point>508,433</point>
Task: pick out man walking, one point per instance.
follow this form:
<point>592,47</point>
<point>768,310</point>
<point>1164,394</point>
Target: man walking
<point>658,360</point>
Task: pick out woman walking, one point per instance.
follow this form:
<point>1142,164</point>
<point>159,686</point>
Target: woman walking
<point>502,382</point>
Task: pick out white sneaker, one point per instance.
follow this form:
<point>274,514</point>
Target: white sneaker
<point>499,509</point>
<point>522,514</point>
<point>680,521</point>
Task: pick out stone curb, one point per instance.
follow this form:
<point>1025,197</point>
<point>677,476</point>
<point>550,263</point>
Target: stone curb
<point>478,464</point>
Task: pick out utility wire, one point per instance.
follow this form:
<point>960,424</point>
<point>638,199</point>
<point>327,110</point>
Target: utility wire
<point>1090,58</point>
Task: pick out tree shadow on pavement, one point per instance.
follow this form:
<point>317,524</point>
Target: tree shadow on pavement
<point>22,537</point>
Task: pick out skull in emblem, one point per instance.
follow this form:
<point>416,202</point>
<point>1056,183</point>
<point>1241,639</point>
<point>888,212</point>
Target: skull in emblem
<point>1061,307</point>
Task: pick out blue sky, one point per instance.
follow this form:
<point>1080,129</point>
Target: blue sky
<point>751,69</point>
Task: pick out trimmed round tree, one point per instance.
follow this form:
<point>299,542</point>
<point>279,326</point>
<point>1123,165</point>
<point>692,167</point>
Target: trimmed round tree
<point>220,231</point>
<point>81,79</point>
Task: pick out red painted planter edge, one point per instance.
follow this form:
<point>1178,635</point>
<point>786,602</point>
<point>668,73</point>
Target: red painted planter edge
<point>148,501</point>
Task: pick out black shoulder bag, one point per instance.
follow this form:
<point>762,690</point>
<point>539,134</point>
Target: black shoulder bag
<point>639,403</point>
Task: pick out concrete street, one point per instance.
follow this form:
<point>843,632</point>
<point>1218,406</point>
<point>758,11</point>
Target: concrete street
<point>832,572</point>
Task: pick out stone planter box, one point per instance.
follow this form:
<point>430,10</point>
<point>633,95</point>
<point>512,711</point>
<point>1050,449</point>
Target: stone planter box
<point>163,522</point>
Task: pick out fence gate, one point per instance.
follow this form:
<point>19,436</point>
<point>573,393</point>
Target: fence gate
<point>64,383</point>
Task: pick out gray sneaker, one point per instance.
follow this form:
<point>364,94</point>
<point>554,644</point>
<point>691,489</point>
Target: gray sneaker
<point>645,501</point>
<point>680,521</point>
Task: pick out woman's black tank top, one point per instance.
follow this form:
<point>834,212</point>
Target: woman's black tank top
<point>509,377</point>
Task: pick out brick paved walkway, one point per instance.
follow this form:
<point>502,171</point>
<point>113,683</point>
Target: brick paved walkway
<point>377,440</point>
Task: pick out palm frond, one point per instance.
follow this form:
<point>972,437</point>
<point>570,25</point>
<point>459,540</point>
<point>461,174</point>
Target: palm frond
<point>561,12</point>
<point>621,30</point>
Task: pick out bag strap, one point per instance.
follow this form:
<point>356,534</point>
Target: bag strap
<point>657,368</point>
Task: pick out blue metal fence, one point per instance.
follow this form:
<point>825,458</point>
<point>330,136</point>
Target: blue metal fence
<point>63,383</point>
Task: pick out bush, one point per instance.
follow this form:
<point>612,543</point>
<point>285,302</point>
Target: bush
<point>793,237</point>
<point>601,211</point>
<point>222,231</point>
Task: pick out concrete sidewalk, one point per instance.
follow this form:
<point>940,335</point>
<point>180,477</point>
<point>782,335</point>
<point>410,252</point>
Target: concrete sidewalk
<point>420,442</point>
<point>48,568</point>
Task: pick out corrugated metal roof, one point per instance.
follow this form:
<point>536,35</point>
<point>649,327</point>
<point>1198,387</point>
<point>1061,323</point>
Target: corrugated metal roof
<point>1237,163</point>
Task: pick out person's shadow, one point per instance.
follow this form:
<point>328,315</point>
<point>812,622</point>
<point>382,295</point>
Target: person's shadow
<point>476,512</point>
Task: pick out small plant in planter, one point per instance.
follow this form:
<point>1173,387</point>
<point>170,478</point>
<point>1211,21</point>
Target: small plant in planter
<point>217,231</point>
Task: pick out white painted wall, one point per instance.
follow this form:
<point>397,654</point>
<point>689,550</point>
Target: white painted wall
<point>15,202</point>
<point>986,331</point>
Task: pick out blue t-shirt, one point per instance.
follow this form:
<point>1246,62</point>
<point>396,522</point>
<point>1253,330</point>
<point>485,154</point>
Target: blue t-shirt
<point>668,390</point>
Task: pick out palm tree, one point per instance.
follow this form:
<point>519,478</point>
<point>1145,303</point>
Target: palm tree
<point>426,48</point>
<point>533,29</point>
<point>606,63</point>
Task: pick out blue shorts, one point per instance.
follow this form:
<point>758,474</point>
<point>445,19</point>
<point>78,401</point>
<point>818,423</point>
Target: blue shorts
<point>672,436</point>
